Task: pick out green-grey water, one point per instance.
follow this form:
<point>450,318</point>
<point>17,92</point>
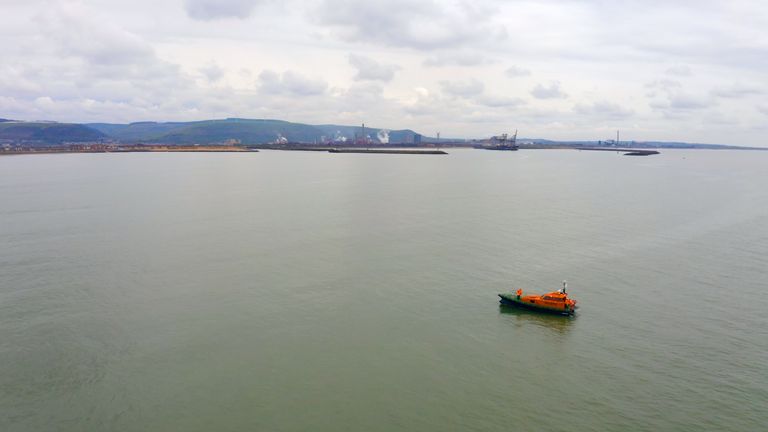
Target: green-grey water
<point>291,291</point>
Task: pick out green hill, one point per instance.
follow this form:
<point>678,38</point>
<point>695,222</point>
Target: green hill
<point>43,133</point>
<point>140,131</point>
<point>247,131</point>
<point>257,131</point>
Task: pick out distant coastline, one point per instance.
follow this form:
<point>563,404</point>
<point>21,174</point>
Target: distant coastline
<point>234,134</point>
<point>102,148</point>
<point>373,149</point>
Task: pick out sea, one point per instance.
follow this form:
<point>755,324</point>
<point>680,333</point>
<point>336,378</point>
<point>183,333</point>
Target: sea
<point>308,291</point>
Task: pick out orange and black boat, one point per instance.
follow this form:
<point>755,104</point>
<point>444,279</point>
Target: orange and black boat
<point>553,302</point>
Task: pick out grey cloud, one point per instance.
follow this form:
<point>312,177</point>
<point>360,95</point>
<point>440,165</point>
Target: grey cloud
<point>212,72</point>
<point>289,83</point>
<point>603,109</point>
<point>664,84</point>
<point>551,91</point>
<point>687,102</point>
<point>500,101</point>
<point>463,88</point>
<point>207,10</point>
<point>473,91</point>
<point>370,69</point>
<point>87,68</point>
<point>111,60</point>
<point>421,24</point>
<point>93,41</point>
<point>460,58</point>
<point>516,71</point>
<point>738,91</point>
<point>681,102</point>
<point>672,98</point>
<point>81,57</point>
<point>21,81</point>
<point>679,70</point>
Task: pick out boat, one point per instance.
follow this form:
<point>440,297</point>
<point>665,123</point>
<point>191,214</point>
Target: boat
<point>554,302</point>
<point>641,153</point>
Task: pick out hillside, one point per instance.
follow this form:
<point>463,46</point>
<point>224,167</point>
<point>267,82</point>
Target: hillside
<point>248,131</point>
<point>140,131</point>
<point>42,133</point>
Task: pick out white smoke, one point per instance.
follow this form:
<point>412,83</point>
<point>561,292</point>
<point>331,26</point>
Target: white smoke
<point>281,139</point>
<point>383,136</point>
<point>339,137</point>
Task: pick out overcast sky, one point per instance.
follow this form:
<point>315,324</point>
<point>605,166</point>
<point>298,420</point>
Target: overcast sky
<point>692,71</point>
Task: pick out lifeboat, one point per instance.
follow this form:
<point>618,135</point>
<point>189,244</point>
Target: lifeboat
<point>553,302</point>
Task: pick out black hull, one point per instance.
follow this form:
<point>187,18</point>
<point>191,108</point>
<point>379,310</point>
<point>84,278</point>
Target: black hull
<point>532,307</point>
<point>389,151</point>
<point>501,148</point>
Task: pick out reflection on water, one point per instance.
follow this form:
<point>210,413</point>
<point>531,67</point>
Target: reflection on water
<point>521,316</point>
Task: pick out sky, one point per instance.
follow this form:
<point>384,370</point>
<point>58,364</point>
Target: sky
<point>694,71</point>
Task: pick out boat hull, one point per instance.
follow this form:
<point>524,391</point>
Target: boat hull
<point>500,148</point>
<point>513,300</point>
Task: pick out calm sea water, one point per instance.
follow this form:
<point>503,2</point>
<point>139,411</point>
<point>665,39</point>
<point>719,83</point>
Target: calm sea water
<point>289,291</point>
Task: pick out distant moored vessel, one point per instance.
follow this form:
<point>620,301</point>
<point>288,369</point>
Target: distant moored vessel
<point>502,142</point>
